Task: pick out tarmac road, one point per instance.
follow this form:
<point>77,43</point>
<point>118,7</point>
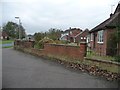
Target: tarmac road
<point>20,70</point>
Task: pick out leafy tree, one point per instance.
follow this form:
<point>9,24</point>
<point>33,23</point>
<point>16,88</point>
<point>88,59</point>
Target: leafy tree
<point>54,34</point>
<point>113,42</point>
<point>112,45</point>
<point>39,36</point>
<point>12,29</point>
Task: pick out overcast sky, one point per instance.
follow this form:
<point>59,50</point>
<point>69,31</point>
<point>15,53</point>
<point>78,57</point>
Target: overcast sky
<point>41,15</point>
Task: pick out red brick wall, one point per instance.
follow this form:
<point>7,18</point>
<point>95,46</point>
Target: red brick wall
<point>101,48</point>
<point>63,50</point>
<point>83,34</point>
<point>24,44</point>
<point>76,52</point>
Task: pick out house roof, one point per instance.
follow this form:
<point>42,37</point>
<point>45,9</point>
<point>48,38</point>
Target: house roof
<point>71,29</point>
<point>74,31</point>
<point>110,22</point>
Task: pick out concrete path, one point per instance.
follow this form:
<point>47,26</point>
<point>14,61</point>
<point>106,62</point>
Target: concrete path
<point>22,70</point>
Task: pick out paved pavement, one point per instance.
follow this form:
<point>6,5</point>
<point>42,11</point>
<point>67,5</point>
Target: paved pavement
<point>22,70</point>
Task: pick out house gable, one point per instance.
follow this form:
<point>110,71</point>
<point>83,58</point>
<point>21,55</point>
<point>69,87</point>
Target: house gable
<point>70,34</point>
<point>82,36</point>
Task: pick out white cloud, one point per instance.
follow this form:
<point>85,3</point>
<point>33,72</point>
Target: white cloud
<point>39,15</point>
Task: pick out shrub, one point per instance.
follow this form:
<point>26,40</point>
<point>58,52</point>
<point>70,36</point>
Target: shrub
<point>40,44</point>
<point>117,58</point>
<point>64,42</point>
<point>58,42</point>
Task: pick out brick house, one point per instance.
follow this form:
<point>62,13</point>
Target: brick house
<point>4,35</point>
<point>103,33</point>
<point>69,34</point>
<point>82,36</point>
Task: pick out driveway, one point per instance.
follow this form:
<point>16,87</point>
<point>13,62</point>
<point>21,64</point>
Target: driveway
<point>22,70</point>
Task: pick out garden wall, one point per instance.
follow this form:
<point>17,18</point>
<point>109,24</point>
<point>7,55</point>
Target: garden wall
<point>24,44</point>
<point>75,52</point>
<point>65,50</point>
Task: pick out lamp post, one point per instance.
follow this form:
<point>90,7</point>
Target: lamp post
<point>19,26</point>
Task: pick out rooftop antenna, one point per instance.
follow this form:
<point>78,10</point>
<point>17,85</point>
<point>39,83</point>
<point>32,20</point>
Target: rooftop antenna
<point>112,8</point>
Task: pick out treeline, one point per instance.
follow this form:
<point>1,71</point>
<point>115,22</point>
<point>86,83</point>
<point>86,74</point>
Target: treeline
<point>53,34</point>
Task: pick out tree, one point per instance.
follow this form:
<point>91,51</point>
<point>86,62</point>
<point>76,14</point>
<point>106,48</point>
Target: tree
<point>54,34</point>
<point>12,29</point>
<point>39,36</point>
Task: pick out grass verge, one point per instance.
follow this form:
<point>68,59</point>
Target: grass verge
<point>6,41</point>
<point>8,47</point>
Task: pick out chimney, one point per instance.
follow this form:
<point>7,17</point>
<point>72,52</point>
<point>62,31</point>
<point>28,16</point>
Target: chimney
<point>111,15</point>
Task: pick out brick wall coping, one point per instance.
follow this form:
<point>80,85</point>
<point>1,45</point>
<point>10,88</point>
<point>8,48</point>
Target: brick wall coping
<point>62,45</point>
<point>104,61</point>
<point>37,49</point>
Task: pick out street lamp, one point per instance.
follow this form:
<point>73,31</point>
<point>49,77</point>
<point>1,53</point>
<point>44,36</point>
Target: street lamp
<point>19,26</point>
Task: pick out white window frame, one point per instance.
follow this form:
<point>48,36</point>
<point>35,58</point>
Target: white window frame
<point>91,38</point>
<point>100,36</point>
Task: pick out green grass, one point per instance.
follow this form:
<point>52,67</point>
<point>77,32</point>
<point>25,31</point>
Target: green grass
<point>109,58</point>
<point>93,55</point>
<point>7,47</point>
<point>6,41</point>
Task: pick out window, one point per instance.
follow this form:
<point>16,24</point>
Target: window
<point>81,37</point>
<point>91,37</point>
<point>100,36</point>
<point>70,32</point>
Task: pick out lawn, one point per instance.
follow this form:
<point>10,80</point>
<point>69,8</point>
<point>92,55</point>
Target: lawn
<point>6,41</point>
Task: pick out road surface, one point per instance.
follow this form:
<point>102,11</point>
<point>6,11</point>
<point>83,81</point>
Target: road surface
<point>22,70</point>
